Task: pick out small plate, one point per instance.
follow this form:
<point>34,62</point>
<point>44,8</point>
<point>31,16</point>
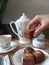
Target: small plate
<point>18,55</point>
<point>13,45</point>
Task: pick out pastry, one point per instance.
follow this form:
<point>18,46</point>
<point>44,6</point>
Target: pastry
<point>29,34</point>
<point>28,59</point>
<point>32,57</point>
<point>39,57</point>
<point>28,50</point>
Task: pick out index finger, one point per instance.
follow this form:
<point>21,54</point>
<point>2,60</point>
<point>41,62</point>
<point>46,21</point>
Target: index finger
<point>33,22</point>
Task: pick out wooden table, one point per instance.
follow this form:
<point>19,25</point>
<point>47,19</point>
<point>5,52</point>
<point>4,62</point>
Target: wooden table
<point>11,53</point>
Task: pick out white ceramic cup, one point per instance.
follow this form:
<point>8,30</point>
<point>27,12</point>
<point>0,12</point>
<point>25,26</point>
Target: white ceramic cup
<point>5,41</point>
<point>39,41</point>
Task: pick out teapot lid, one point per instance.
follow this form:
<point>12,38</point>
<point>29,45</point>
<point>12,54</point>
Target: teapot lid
<point>23,18</point>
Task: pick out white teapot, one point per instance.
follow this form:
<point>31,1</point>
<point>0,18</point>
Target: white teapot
<point>21,25</point>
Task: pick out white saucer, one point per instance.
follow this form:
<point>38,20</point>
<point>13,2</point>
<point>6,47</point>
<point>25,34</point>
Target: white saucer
<point>24,42</point>
<point>13,45</point>
<point>18,55</point>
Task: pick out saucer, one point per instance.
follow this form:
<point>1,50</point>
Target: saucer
<point>13,45</point>
<point>24,42</point>
<point>18,55</point>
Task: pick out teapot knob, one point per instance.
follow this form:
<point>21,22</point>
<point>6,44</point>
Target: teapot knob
<point>23,14</point>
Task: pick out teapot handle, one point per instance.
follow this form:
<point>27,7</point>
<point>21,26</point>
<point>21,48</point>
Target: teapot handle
<point>12,27</point>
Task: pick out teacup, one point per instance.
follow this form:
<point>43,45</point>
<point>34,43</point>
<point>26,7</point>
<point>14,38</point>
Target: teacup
<point>39,41</point>
<point>5,41</point>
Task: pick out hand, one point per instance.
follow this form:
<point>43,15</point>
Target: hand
<point>40,22</point>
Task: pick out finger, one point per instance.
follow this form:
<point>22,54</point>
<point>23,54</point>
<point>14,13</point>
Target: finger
<point>37,26</point>
<point>39,30</point>
<point>33,22</point>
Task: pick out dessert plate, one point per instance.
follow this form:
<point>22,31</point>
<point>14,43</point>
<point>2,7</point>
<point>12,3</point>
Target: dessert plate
<point>18,55</point>
<point>13,45</point>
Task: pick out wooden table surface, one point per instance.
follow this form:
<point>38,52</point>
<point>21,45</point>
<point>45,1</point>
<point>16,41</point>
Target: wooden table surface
<point>11,53</point>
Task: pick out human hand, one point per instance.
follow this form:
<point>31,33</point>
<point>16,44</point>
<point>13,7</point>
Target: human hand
<point>40,23</point>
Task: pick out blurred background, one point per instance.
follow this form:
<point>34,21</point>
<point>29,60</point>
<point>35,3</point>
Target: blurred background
<point>13,9</point>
